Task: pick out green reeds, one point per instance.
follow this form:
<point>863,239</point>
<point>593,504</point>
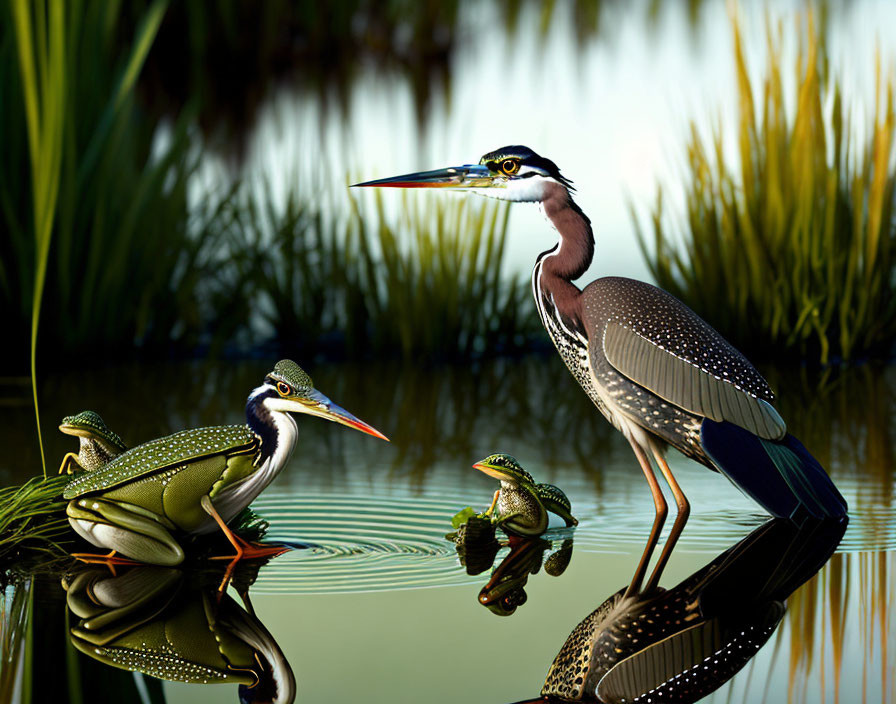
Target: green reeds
<point>427,284</point>
<point>433,282</point>
<point>790,247</point>
<point>33,516</point>
<point>41,50</point>
<point>50,47</point>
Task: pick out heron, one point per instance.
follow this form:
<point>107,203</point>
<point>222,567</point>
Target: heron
<point>658,372</point>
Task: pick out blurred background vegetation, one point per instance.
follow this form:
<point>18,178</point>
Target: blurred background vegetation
<point>118,241</point>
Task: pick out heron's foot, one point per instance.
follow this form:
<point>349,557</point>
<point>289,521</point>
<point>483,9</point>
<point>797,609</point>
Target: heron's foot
<point>251,551</point>
<point>244,551</point>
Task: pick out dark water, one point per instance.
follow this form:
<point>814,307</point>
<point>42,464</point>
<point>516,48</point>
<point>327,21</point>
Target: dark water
<point>379,607</point>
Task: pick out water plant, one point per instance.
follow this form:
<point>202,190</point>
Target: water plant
<point>792,245</point>
<point>33,516</point>
<point>433,280</point>
<point>426,284</point>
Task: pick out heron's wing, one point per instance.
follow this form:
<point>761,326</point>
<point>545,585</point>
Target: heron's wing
<point>159,454</point>
<point>718,648</point>
<point>659,343</point>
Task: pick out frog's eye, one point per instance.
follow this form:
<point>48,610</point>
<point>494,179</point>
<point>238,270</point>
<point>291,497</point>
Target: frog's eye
<point>283,389</point>
<point>510,166</point>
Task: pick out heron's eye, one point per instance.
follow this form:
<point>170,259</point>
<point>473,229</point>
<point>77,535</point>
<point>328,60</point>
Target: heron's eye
<point>283,389</point>
<point>510,166</point>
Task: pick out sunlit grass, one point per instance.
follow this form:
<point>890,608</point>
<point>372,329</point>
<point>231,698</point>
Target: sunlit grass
<point>65,155</point>
<point>428,283</point>
<point>790,244</point>
<point>433,281</point>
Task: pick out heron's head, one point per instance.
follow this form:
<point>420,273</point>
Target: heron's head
<point>514,173</point>
<point>288,389</point>
<point>504,468</point>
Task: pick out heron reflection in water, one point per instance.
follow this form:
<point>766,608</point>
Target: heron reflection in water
<point>679,645</point>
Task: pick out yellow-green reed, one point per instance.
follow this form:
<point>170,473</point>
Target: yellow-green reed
<point>788,246</point>
<point>46,35</point>
<point>41,50</point>
<point>846,605</point>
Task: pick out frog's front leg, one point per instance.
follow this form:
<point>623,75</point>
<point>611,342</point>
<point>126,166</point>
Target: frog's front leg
<point>495,498</point>
<point>125,528</point>
<point>70,464</point>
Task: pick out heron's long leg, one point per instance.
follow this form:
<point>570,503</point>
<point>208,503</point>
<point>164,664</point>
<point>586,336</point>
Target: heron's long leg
<point>684,510</point>
<point>243,549</point>
<point>661,510</point>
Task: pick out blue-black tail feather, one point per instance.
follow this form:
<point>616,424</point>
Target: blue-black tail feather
<point>780,475</point>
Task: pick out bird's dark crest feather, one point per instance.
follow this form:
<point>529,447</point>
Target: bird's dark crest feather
<point>528,158</point>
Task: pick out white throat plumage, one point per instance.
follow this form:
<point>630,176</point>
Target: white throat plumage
<point>284,433</point>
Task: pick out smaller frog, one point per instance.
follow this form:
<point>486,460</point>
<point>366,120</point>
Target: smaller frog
<point>99,445</point>
<point>522,504</point>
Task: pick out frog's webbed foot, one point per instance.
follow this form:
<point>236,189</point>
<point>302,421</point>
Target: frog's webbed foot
<point>111,560</point>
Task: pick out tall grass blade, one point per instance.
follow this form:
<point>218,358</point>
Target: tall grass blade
<point>44,90</point>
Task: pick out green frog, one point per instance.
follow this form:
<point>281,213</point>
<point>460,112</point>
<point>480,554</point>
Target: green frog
<point>522,505</point>
<point>99,445</point>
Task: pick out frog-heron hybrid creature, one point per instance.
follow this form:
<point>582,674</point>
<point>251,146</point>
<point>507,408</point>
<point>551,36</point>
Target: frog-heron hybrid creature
<point>657,371</point>
<point>197,481</point>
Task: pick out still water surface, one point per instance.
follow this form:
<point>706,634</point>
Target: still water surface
<point>379,607</point>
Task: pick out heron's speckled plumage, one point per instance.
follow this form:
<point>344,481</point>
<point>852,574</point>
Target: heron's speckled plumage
<point>669,324</point>
<point>163,453</point>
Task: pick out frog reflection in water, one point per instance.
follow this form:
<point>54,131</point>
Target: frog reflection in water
<point>679,645</point>
<point>522,505</point>
<point>174,625</point>
<point>477,549</point>
<point>98,444</point>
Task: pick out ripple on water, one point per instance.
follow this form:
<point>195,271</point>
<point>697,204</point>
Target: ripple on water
<point>359,543</point>
<point>375,543</point>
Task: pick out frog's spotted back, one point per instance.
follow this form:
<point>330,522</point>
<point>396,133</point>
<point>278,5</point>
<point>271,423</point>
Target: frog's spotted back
<point>288,371</point>
<point>161,453</point>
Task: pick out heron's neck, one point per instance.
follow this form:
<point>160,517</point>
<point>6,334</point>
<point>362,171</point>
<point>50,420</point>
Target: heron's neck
<point>276,429</point>
<point>569,259</point>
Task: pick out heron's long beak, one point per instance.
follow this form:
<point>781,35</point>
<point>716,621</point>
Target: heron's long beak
<point>316,404</point>
<point>461,177</point>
